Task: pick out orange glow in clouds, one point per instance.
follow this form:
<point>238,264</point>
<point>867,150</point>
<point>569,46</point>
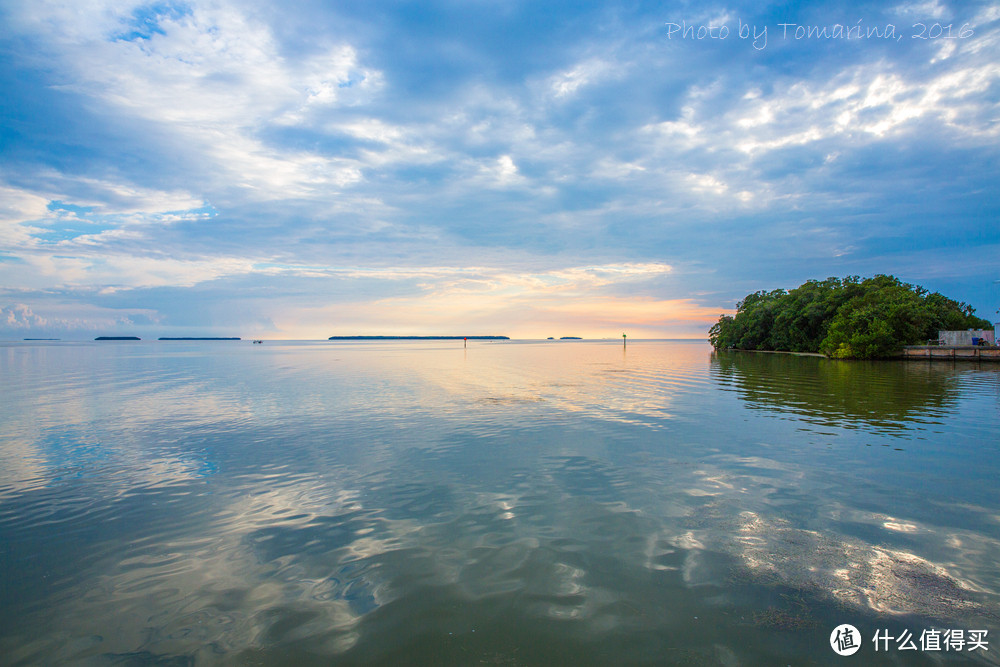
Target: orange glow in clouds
<point>569,302</point>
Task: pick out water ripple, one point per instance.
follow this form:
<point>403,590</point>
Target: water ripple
<point>523,503</point>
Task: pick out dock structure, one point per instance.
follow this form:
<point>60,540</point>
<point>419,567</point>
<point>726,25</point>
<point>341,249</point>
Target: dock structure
<point>952,352</point>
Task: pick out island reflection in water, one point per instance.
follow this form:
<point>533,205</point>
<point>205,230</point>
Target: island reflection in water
<point>512,503</point>
<point>882,394</point>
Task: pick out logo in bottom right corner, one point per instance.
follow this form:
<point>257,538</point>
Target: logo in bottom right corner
<point>845,639</point>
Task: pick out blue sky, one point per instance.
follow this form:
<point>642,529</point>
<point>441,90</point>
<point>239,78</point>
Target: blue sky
<point>485,167</point>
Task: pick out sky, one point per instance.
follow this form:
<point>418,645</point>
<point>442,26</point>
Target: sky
<point>484,167</point>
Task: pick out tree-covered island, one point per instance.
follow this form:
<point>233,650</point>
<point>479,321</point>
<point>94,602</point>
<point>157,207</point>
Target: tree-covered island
<point>845,318</point>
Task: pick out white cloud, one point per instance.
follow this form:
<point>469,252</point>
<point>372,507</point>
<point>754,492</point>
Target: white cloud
<point>20,319</point>
<point>114,197</point>
<point>454,277</point>
<point>372,129</point>
<point>214,78</point>
<point>930,9</point>
<point>18,206</point>
<point>502,172</point>
<point>566,83</point>
<point>877,100</point>
<point>74,265</point>
<point>26,216</point>
<point>20,316</point>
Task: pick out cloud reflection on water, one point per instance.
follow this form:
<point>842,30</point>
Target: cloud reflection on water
<point>321,498</point>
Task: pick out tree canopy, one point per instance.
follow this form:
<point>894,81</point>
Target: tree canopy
<point>848,318</point>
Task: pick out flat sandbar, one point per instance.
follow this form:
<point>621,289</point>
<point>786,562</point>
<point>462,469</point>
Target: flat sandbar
<point>419,338</point>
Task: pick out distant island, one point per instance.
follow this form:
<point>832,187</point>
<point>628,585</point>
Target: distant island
<point>117,338</point>
<point>570,338</point>
<point>42,339</point>
<point>843,318</point>
<point>419,338</point>
<point>191,338</point>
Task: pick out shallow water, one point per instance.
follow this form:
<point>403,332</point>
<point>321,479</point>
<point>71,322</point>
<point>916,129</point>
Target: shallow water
<point>521,503</point>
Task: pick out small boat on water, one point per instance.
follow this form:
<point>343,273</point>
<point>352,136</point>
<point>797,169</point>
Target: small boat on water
<point>258,342</point>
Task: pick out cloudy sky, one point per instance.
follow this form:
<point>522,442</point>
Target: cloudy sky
<point>484,166</point>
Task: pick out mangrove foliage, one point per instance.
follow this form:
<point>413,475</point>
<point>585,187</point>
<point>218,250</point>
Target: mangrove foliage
<point>847,318</point>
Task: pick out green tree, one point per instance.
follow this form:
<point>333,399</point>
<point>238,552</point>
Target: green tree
<point>842,317</point>
<point>721,333</point>
<point>877,323</point>
<point>805,316</point>
<point>951,315</point>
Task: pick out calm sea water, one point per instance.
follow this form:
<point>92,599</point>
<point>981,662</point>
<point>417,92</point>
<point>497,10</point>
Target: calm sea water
<point>535,503</point>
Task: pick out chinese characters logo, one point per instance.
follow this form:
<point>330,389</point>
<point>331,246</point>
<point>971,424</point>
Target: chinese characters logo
<point>845,639</point>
